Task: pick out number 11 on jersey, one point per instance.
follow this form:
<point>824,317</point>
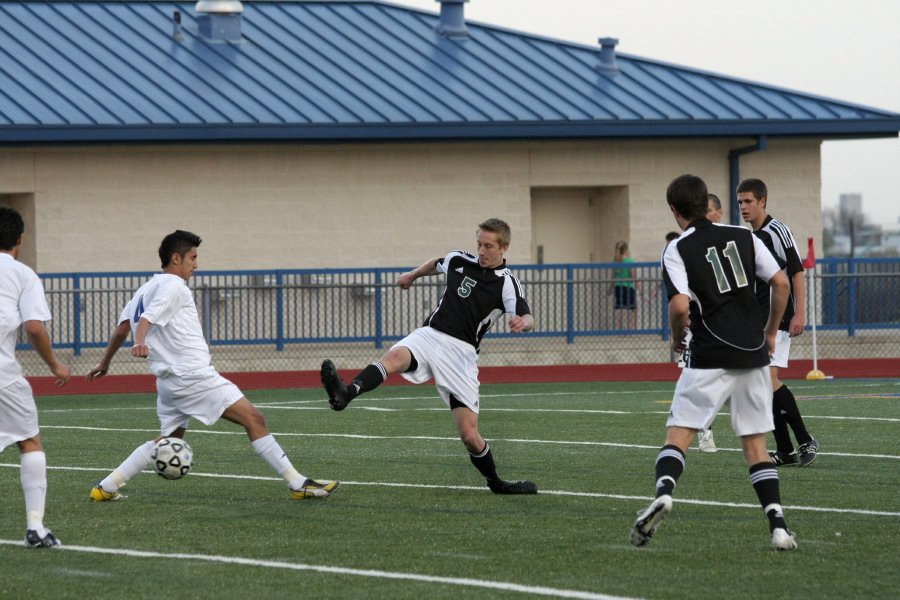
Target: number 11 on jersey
<point>734,259</point>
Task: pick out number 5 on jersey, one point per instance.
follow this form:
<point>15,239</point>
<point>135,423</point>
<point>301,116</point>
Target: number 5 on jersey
<point>465,288</point>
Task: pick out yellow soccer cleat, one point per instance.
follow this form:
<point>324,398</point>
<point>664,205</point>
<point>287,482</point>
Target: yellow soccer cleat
<point>98,494</point>
<point>315,489</point>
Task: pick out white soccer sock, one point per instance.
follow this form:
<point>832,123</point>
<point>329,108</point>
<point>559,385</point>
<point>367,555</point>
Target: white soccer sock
<point>34,484</point>
<point>132,465</point>
<point>271,452</point>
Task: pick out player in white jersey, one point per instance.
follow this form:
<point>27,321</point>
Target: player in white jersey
<point>480,289</point>
<point>708,273</point>
<point>22,304</point>
<point>163,318</point>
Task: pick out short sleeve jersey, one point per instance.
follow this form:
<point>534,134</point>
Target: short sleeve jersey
<point>21,299</point>
<point>474,298</point>
<point>715,266</point>
<point>780,241</point>
<point>176,341</point>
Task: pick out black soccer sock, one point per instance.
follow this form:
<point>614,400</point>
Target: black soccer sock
<point>764,478</point>
<point>669,467</point>
<point>792,413</point>
<point>484,462</point>
<point>367,380</point>
<point>780,409</point>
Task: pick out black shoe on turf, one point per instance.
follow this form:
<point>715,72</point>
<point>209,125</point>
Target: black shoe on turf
<point>334,385</point>
<point>33,540</point>
<point>781,459</point>
<point>513,487</point>
<point>807,452</point>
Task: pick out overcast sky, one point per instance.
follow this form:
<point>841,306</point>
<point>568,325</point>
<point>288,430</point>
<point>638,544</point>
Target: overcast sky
<point>847,50</point>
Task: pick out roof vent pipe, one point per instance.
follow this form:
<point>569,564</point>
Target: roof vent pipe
<point>176,30</point>
<point>219,21</point>
<point>607,62</point>
<point>453,20</point>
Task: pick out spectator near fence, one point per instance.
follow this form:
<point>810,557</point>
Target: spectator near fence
<point>624,289</point>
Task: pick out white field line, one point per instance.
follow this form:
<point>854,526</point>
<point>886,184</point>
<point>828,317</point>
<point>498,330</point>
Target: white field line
<point>482,489</point>
<point>292,566</point>
<point>359,436</point>
<point>292,405</point>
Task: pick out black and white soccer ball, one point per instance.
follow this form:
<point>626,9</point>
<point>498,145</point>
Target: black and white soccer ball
<point>172,458</point>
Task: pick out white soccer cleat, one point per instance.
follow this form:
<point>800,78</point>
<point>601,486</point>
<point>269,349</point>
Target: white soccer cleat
<point>707,442</point>
<point>650,519</point>
<point>782,539</point>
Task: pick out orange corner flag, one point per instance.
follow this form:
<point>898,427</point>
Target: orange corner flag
<point>810,262</point>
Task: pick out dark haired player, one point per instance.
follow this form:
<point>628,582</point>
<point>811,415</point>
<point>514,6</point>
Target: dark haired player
<point>163,317</point>
<point>752,197</point>
<point>708,273</point>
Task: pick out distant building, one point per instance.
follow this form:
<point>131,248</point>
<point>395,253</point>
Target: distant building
<point>850,206</point>
<point>357,134</point>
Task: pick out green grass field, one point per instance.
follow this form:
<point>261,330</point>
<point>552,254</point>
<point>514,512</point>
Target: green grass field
<point>413,518</point>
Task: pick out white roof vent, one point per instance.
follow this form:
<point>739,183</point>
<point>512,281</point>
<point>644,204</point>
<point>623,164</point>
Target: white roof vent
<point>219,21</point>
<point>218,7</point>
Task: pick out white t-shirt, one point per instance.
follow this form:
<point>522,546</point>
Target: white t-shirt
<point>21,299</point>
<point>176,340</point>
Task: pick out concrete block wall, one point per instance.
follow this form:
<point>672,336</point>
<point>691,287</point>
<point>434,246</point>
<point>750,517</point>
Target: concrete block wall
<point>105,208</point>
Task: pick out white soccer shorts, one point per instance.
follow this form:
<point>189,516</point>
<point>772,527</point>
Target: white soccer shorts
<point>782,350</point>
<point>18,413</point>
<point>202,394</point>
<point>451,362</point>
<point>700,394</point>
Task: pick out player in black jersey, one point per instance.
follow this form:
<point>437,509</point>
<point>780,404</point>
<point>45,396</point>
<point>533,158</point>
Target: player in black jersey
<point>709,273</point>
<point>752,197</point>
<point>480,289</point>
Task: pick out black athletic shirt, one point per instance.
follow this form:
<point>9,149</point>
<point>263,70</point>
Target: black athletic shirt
<point>474,297</point>
<point>780,242</point>
<point>715,266</point>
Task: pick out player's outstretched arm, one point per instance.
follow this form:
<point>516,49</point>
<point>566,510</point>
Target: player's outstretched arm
<point>405,280</point>
<point>40,341</point>
<point>118,337</point>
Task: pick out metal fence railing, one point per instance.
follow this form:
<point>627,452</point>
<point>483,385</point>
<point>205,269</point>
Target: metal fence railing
<point>285,319</point>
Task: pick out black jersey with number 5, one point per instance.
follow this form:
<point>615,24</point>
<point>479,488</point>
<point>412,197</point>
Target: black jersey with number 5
<point>715,267</point>
<point>475,297</point>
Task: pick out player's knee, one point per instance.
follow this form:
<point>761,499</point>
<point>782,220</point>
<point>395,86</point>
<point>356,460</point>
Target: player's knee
<point>472,441</point>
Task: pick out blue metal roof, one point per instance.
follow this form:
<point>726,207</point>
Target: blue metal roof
<point>360,70</point>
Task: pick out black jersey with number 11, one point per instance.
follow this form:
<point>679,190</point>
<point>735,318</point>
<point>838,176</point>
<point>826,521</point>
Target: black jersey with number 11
<point>715,267</point>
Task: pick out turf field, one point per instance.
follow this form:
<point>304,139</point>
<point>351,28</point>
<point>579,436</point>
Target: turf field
<point>414,520</point>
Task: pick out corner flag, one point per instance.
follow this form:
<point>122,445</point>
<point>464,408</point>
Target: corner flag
<point>810,262</point>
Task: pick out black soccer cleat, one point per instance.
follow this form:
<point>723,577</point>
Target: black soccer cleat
<point>808,452</point>
<point>513,487</point>
<point>338,396</point>
<point>33,540</point>
<point>782,459</point>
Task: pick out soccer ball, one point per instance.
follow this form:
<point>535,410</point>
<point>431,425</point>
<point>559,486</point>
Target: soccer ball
<point>172,458</point>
